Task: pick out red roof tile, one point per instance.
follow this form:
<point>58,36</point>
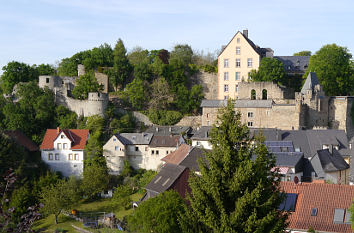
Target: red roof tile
<point>324,197</point>
<point>22,140</point>
<point>178,155</point>
<point>77,136</point>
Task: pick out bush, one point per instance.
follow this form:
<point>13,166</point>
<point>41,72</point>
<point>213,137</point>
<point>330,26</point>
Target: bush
<point>165,117</point>
<point>121,197</point>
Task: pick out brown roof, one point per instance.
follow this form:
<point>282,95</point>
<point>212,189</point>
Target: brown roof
<point>177,156</point>
<point>22,140</point>
<point>165,141</point>
<point>326,198</point>
<point>78,138</point>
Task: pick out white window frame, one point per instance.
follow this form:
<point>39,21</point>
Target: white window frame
<point>250,114</point>
<point>76,157</point>
<point>249,62</point>
<point>226,88</point>
<point>59,146</point>
<point>238,50</point>
<point>65,146</point>
<point>238,62</point>
<point>57,156</point>
<point>238,76</point>
<point>116,148</point>
<point>226,63</point>
<point>70,156</point>
<point>50,156</point>
<point>236,88</point>
<point>226,76</point>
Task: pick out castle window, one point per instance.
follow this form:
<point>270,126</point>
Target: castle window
<point>250,124</point>
<point>207,115</point>
<point>238,76</point>
<point>136,148</point>
<point>238,50</point>
<point>250,114</point>
<point>226,63</point>
<point>226,88</point>
<point>238,62</point>
<point>226,76</point>
<point>264,94</point>
<point>47,80</point>
<point>249,62</point>
<point>253,94</point>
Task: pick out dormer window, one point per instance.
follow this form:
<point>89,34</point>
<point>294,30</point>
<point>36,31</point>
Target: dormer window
<point>324,146</point>
<point>62,136</point>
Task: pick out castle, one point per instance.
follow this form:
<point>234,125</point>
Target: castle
<point>62,87</point>
<point>267,105</point>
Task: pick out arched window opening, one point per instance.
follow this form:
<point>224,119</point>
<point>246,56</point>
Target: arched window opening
<point>264,94</point>
<point>253,94</point>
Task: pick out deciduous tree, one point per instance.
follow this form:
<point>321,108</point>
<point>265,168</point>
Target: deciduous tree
<point>85,84</point>
<point>269,70</point>
<point>333,67</point>
<point>303,53</point>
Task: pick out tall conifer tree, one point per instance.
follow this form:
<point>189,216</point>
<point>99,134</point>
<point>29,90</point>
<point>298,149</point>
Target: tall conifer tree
<point>234,193</point>
<point>121,66</point>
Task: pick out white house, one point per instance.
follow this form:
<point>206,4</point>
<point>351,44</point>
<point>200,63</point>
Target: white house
<point>63,150</point>
<point>142,150</point>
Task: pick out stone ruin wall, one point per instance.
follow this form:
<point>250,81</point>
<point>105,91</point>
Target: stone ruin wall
<point>209,82</point>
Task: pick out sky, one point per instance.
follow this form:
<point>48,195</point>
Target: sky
<point>45,31</point>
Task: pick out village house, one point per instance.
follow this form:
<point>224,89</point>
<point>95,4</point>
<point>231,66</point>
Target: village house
<point>63,150</point>
<point>142,150</point>
<point>323,207</point>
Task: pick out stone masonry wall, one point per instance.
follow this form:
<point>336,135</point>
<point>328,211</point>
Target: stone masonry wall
<point>209,81</point>
<point>193,121</point>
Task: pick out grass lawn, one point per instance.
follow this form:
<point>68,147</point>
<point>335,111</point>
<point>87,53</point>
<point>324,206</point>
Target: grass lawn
<point>64,222</point>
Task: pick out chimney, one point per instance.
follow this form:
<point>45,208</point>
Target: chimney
<point>245,33</point>
<point>58,129</point>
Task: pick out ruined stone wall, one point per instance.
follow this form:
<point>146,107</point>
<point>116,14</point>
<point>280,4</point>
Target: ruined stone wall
<point>273,90</point>
<point>102,79</point>
<point>339,114</point>
<point>209,81</point>
<point>284,117</point>
<point>193,121</point>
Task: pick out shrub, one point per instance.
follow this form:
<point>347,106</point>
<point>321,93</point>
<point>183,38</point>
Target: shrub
<point>165,117</point>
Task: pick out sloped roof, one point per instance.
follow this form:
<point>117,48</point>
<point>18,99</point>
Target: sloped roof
<point>294,63</point>
<point>168,130</point>
<point>22,139</point>
<point>191,160</point>
<point>178,155</point>
<point>310,83</point>
<point>288,159</point>
<point>135,138</point>
<point>326,198</point>
<point>165,141</point>
<point>78,138</point>
<point>201,132</point>
<point>332,162</point>
<point>168,174</point>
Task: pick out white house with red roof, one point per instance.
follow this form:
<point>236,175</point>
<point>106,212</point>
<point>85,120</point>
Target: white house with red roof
<point>63,150</point>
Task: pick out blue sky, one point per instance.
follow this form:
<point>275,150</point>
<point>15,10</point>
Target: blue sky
<point>45,31</point>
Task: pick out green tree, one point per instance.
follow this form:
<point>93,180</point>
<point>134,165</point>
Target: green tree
<point>121,66</point>
<point>66,119</point>
<point>15,72</point>
<point>95,177</point>
<point>45,69</point>
<point>158,214</point>
<point>182,54</point>
<point>61,196</point>
<point>126,124</point>
<point>68,66</point>
<point>85,84</point>
<point>138,55</point>
<point>269,70</point>
<point>332,64</point>
<point>196,96</point>
<point>351,209</point>
<point>303,53</point>
<point>137,92</point>
<point>121,197</point>
<point>234,192</point>
<point>94,147</point>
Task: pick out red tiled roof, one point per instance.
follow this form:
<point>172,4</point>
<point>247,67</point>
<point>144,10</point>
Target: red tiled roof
<point>324,197</point>
<point>178,155</point>
<point>22,140</point>
<point>77,136</point>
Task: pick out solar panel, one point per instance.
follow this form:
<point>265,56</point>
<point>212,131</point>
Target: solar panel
<point>289,202</point>
<point>338,216</point>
